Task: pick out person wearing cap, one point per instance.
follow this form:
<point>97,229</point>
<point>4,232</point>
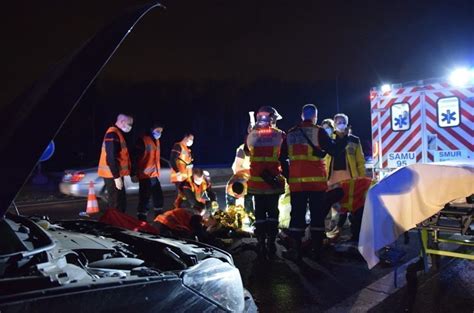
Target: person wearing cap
<point>266,183</point>
<point>147,159</point>
<point>304,149</point>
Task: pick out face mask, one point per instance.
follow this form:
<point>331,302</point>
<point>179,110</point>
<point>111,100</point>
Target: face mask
<point>329,131</point>
<point>156,134</point>
<point>198,181</point>
<point>341,127</point>
<point>127,128</point>
<point>189,143</point>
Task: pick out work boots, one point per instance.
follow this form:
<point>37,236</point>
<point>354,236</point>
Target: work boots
<point>271,247</point>
<point>294,253</point>
<point>261,248</point>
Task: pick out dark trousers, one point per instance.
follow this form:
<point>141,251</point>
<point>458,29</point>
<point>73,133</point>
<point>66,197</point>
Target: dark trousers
<point>149,188</point>
<point>248,202</point>
<point>266,216</point>
<point>300,200</point>
<point>116,199</point>
<point>356,222</point>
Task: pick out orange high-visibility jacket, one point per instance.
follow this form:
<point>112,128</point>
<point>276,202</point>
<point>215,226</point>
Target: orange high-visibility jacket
<point>123,156</point>
<point>198,191</point>
<point>265,145</point>
<point>177,219</point>
<point>183,163</point>
<point>148,164</point>
<point>355,191</point>
<point>307,171</point>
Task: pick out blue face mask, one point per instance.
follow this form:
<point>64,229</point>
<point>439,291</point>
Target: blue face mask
<point>156,134</point>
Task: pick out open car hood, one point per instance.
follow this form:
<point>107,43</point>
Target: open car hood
<point>51,100</point>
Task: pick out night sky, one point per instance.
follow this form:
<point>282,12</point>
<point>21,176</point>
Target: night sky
<point>201,65</point>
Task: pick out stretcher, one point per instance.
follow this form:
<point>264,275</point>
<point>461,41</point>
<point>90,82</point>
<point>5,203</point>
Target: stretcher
<point>415,196</point>
<point>452,227</point>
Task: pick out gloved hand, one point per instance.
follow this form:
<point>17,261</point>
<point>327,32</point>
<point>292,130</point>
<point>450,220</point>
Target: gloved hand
<point>134,179</point>
<point>118,183</point>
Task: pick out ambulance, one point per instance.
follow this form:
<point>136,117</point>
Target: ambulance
<point>422,121</point>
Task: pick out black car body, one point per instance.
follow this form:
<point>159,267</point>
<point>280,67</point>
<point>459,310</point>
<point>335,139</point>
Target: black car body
<point>87,266</point>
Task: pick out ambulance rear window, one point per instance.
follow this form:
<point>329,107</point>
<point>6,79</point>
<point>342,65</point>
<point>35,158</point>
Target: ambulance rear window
<point>400,116</point>
<point>448,112</point>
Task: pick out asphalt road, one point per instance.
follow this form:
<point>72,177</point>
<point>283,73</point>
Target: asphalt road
<point>340,282</point>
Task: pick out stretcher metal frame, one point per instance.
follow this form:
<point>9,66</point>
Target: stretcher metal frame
<point>451,225</point>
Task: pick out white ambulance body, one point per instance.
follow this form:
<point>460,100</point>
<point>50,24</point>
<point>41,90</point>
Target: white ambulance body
<point>428,121</point>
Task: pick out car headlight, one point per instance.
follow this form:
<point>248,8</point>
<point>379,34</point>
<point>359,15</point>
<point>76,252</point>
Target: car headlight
<point>218,281</point>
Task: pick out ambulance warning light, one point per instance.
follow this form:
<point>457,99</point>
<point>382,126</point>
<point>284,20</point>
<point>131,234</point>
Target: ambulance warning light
<point>460,77</point>
<point>386,88</point>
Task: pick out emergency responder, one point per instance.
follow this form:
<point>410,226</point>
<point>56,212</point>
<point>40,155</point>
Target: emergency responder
<point>346,164</point>
<point>305,149</point>
<point>147,159</point>
<point>195,196</point>
<point>241,170</point>
<point>328,125</point>
<point>114,162</point>
<point>266,183</point>
<point>181,160</point>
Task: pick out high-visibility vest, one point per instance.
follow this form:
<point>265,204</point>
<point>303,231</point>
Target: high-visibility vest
<point>123,156</point>
<point>265,145</point>
<point>307,171</point>
<point>241,177</point>
<point>198,191</point>
<point>184,165</point>
<point>148,164</point>
<point>355,191</point>
<point>177,219</point>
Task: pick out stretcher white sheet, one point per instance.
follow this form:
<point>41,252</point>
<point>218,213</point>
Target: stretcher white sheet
<point>407,197</point>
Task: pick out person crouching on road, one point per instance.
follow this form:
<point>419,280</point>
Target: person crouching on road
<point>266,183</point>
<point>194,198</point>
<point>147,159</point>
<point>241,170</point>
<point>114,162</point>
<point>181,160</point>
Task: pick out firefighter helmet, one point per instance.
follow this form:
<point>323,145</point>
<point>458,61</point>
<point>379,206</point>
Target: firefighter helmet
<point>268,114</point>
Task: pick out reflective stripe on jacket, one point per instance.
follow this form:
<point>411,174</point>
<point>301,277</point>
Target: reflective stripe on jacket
<point>183,163</point>
<point>307,172</point>
<point>265,145</point>
<point>148,164</point>
<point>123,157</point>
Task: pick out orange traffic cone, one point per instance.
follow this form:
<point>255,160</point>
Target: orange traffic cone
<point>92,205</point>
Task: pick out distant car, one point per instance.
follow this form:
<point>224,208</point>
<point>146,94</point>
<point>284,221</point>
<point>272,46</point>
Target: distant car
<point>76,182</point>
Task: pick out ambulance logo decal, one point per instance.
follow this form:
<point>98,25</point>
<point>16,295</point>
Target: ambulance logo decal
<point>448,116</point>
<point>400,121</point>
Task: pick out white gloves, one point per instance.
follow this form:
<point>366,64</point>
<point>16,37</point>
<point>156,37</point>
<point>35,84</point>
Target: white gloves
<point>118,183</point>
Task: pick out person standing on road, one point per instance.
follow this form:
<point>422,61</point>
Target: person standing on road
<point>305,148</point>
<point>147,151</point>
<point>181,160</point>
<point>346,164</point>
<point>114,162</point>
<point>266,183</point>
